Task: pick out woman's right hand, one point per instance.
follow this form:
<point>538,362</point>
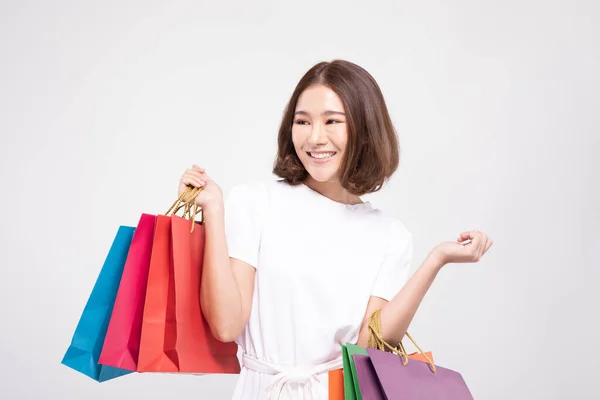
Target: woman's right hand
<point>211,193</point>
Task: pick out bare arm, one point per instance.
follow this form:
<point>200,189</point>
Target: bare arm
<point>227,283</point>
<point>397,314</point>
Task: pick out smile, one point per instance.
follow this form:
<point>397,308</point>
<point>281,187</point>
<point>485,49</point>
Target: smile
<point>322,155</point>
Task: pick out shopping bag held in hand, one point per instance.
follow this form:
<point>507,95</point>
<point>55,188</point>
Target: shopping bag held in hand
<point>122,343</point>
<point>175,336</point>
<point>84,352</point>
<point>401,378</point>
<point>344,382</point>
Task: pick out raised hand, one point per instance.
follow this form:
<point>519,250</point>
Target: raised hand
<point>459,252</point>
<point>211,193</point>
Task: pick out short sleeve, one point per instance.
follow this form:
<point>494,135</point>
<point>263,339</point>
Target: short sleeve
<point>393,272</point>
<point>243,222</point>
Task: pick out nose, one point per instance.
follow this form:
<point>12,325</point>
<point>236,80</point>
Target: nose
<point>318,135</point>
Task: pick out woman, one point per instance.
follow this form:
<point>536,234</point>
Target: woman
<point>293,268</point>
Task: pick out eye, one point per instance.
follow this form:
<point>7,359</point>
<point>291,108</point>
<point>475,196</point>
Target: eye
<point>333,121</point>
<point>301,122</point>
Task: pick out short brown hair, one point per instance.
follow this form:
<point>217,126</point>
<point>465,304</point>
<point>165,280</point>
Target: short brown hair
<point>372,155</point>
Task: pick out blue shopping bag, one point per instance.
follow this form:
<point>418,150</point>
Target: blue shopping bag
<point>88,339</point>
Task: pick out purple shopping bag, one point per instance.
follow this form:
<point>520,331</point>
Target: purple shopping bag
<point>416,380</point>
<point>370,388</point>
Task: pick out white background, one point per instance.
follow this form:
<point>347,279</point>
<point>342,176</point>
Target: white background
<point>104,104</point>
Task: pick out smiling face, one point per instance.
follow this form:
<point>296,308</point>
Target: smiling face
<point>320,132</point>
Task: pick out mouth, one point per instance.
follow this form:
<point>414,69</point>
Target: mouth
<point>321,155</point>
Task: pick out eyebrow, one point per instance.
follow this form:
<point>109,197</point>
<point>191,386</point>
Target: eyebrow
<point>328,112</point>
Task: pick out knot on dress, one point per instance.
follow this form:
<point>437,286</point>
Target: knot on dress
<point>306,377</point>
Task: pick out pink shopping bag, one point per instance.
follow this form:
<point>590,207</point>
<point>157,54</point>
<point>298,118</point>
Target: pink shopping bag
<point>122,343</point>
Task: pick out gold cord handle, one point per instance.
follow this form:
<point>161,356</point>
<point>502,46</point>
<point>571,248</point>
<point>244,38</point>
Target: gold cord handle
<point>177,204</point>
<point>376,341</point>
<point>187,202</point>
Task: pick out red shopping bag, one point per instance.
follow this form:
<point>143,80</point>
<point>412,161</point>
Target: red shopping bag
<point>159,333</point>
<point>196,347</point>
<point>175,336</point>
<point>122,343</point>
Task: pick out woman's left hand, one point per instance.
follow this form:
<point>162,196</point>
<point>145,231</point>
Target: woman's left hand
<point>455,252</point>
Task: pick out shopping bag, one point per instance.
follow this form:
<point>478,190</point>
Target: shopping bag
<point>336,384</point>
<point>370,388</point>
<point>158,334</point>
<point>175,336</point>
<point>84,351</point>
<point>352,385</point>
<point>197,349</point>
<point>122,343</point>
<point>416,379</point>
<point>401,378</point>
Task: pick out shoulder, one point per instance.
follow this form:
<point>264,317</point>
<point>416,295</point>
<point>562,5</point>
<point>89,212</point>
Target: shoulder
<point>252,192</point>
<point>398,230</point>
<point>394,230</point>
<point>264,190</point>
<point>254,197</point>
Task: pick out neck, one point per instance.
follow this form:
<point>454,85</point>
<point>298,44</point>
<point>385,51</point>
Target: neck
<point>333,190</point>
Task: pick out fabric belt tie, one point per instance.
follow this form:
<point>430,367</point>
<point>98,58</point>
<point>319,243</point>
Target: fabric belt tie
<point>308,378</point>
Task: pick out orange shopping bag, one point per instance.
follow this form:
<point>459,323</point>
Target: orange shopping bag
<point>175,336</point>
<point>159,332</point>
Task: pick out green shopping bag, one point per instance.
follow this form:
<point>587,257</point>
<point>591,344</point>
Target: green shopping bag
<point>351,388</point>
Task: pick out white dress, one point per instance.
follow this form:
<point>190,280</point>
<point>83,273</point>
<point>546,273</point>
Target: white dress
<point>317,263</point>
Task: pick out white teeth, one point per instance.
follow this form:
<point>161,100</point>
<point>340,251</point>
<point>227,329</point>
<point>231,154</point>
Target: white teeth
<point>322,155</point>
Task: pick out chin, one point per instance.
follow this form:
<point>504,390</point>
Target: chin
<point>321,176</point>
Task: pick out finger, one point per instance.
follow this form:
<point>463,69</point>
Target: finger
<point>205,177</point>
<point>478,243</point>
<point>200,177</point>
<point>466,236</point>
<point>193,172</point>
<point>481,249</point>
<point>474,237</point>
<point>484,245</point>
<point>193,179</point>
<point>463,237</point>
<point>190,182</point>
<point>197,168</point>
<point>488,245</point>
